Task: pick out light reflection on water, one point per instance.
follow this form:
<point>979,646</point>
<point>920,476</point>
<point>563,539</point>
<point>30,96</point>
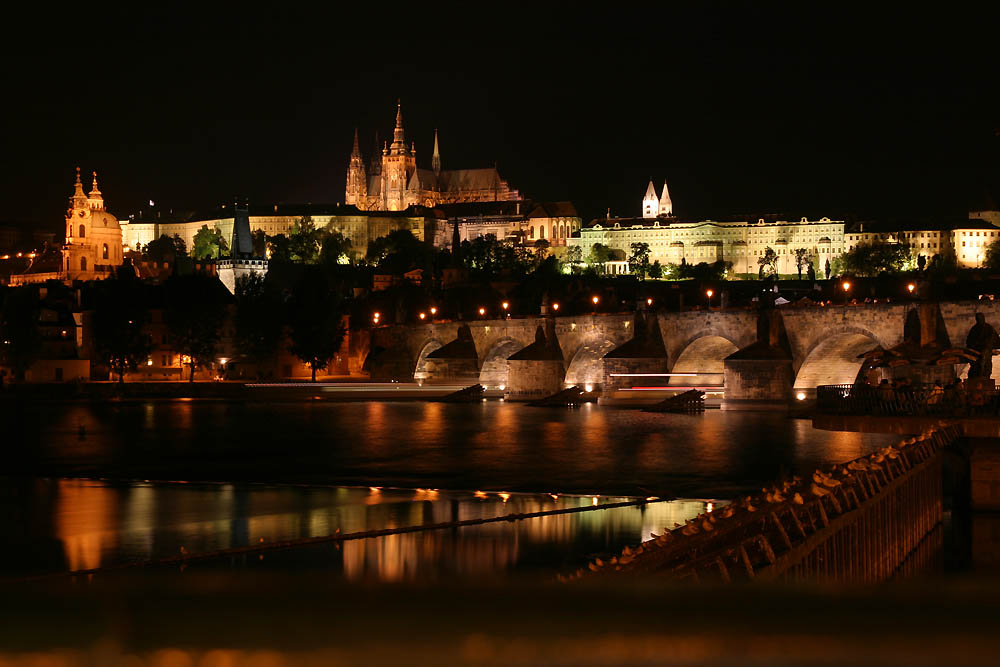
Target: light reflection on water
<point>97,524</point>
<point>489,445</point>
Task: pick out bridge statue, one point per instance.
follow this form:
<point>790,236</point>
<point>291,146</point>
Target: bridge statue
<point>983,339</point>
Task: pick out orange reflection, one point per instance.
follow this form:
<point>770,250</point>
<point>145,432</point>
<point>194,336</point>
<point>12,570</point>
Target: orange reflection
<point>85,521</point>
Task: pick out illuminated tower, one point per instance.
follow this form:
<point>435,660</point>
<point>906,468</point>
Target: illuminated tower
<point>398,164</point>
<point>650,203</point>
<point>666,207</point>
<point>436,158</point>
<point>357,183</point>
<point>95,198</point>
<point>93,247</point>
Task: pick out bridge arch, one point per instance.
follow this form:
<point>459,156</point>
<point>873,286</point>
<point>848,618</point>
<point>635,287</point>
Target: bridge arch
<point>586,366</point>
<point>420,372</point>
<point>703,353</point>
<point>833,357</point>
<point>494,368</point>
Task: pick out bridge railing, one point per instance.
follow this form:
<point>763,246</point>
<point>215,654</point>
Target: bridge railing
<point>922,400</point>
<point>861,522</point>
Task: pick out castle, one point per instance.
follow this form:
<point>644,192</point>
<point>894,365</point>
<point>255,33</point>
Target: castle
<point>395,183</point>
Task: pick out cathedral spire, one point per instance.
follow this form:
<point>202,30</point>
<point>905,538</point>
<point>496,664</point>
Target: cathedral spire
<point>78,186</point>
<point>95,193</point>
<point>650,202</point>
<point>79,198</point>
<point>436,159</point>
<point>398,146</point>
<point>356,151</point>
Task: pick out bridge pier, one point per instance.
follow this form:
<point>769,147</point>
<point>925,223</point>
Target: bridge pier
<point>537,370</point>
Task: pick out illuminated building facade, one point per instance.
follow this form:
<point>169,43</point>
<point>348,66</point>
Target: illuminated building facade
<point>395,183</point>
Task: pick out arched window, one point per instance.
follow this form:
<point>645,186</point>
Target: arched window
<point>83,262</point>
<point>531,232</point>
<point>83,231</point>
<point>105,255</point>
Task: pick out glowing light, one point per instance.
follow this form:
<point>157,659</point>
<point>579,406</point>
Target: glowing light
<point>846,286</point>
<point>480,494</point>
<point>709,506</point>
<point>588,388</point>
<point>911,287</point>
<point>595,299</point>
<point>223,360</point>
<point>555,496</point>
<point>593,501</point>
<point>149,362</point>
<point>376,316</point>
<point>555,306</point>
<point>801,395</point>
<point>505,305</point>
<point>375,489</point>
<point>434,310</point>
<point>482,311</point>
<point>505,497</point>
<point>423,316</point>
<point>502,387</point>
<point>709,293</point>
<point>649,302</point>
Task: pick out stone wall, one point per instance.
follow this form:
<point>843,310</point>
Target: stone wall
<point>531,379</point>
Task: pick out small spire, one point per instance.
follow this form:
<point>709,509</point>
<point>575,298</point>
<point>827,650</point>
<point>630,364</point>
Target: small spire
<point>398,136</point>
<point>436,158</point>
<point>356,151</point>
<point>95,193</point>
<point>78,187</point>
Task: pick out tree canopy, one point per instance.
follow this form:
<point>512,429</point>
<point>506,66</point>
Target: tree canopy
<point>873,259</point>
<point>209,243</point>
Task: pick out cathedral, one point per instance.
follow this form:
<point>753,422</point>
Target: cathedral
<point>653,206</point>
<point>394,182</point>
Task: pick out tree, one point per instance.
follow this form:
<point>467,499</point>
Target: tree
<point>164,249</point>
<point>257,325</point>
<point>826,268</point>
<point>280,250</point>
<point>811,273</point>
<point>336,249</point>
<point>315,322</point>
<point>119,317</point>
<point>304,241</point>
<point>195,313</point>
<point>992,259</point>
<point>399,251</point>
<point>640,258</point>
<point>598,256</point>
<point>803,258</point>
<point>768,262</point>
<point>873,259</point>
<point>574,254</point>
<point>209,243</point>
<point>19,336</point>
<point>259,240</point>
<point>656,270</point>
<point>921,262</point>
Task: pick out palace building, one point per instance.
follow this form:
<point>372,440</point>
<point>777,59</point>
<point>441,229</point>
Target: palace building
<point>395,182</point>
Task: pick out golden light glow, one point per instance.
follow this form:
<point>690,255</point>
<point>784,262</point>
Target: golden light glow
<point>649,302</point>
<point>505,497</point>
<point>480,494</point>
<point>423,316</point>
<point>588,388</point>
<point>911,287</point>
<point>555,306</point>
<point>434,310</point>
<point>595,299</point>
<point>709,507</point>
<point>505,305</point>
<point>482,311</point>
<point>801,395</point>
<point>709,293</point>
<point>846,285</point>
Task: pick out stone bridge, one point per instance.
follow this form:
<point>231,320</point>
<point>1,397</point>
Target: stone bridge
<point>824,342</point>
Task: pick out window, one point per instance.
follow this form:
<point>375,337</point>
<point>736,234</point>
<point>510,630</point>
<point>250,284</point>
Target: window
<point>105,252</point>
<point>83,231</point>
<point>83,263</point>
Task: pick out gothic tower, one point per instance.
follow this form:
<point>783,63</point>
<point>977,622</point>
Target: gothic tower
<point>398,164</point>
<point>666,207</point>
<point>357,182</point>
<point>650,202</point>
<point>436,158</point>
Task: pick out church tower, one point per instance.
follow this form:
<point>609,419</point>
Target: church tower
<point>357,182</point>
<point>436,158</point>
<point>93,247</point>
<point>650,202</point>
<point>398,164</point>
<point>666,207</point>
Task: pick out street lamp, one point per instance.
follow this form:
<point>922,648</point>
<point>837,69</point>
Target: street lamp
<point>505,305</point>
<point>910,288</point>
<point>434,311</point>
<point>423,316</point>
<point>846,286</point>
<point>649,302</point>
<point>482,311</point>
<point>596,300</point>
<point>555,306</point>
<point>709,294</point>
<point>375,317</point>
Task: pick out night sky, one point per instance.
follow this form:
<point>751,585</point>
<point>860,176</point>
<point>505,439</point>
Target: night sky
<point>848,113</point>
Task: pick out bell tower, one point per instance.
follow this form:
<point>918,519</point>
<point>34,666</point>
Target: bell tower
<point>357,182</point>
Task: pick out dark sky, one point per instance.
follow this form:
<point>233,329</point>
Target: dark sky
<point>847,112</point>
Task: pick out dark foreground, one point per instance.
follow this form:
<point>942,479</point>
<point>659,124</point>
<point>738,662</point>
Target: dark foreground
<point>279,620</point>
